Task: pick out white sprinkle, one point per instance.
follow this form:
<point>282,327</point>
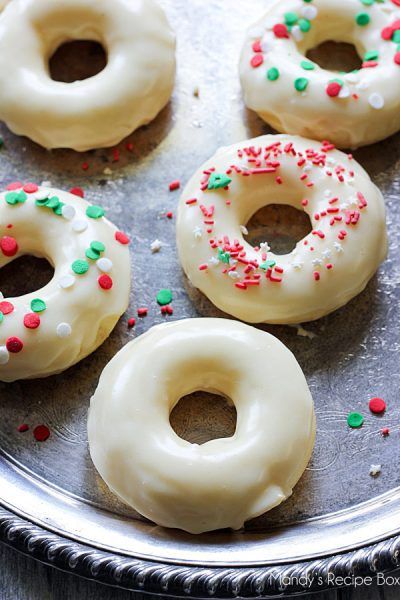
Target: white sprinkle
<point>309,12</point>
<point>233,274</point>
<point>41,195</point>
<point>155,246</point>
<point>316,262</point>
<point>297,33</point>
<point>297,264</point>
<point>363,85</point>
<point>352,77</point>
<point>104,264</point>
<point>68,211</point>
<point>376,101</point>
<point>375,470</point>
<point>66,281</point>
<point>213,261</point>
<point>244,230</point>
<point>326,253</point>
<point>4,355</point>
<point>198,233</point>
<point>307,168</point>
<point>338,247</point>
<point>64,330</point>
<point>264,247</point>
<point>344,92</point>
<point>79,225</point>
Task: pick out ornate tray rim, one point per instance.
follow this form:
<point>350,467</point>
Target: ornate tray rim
<point>177,580</point>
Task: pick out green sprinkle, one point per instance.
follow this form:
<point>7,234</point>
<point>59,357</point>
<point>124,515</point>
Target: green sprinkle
<point>95,212</point>
<point>224,256</point>
<point>217,181</point>
<point>97,247</point>
<point>80,267</point>
<point>372,55</point>
<point>307,0</point>
<point>305,25</point>
<point>58,209</point>
<point>268,265</point>
<point>307,65</point>
<point>301,84</point>
<point>92,254</point>
<point>52,202</point>
<point>396,37</point>
<point>16,197</point>
<point>38,305</point>
<point>339,81</point>
<point>1,317</point>
<point>41,201</point>
<point>273,74</point>
<point>367,2</point>
<point>164,297</point>
<point>363,19</point>
<point>291,18</point>
<point>355,420</point>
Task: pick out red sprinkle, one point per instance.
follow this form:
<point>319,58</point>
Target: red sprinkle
<point>142,312</point>
<point>31,321</point>
<point>397,58</point>
<point>121,237</point>
<point>257,60</point>
<point>333,89</point>
<point>30,188</point>
<point>169,215</point>
<point>77,191</point>
<point>41,433</point>
<point>105,282</point>
<point>396,2</point>
<point>377,406</point>
<point>131,322</point>
<point>387,33</point>
<point>6,307</point>
<point>385,431</point>
<point>280,30</point>
<point>317,276</point>
<point>257,46</point>
<point>14,345</point>
<point>174,185</point>
<point>15,185</point>
<point>85,166</point>
<point>23,427</point>
<point>115,155</point>
<point>8,246</point>
<point>129,146</point>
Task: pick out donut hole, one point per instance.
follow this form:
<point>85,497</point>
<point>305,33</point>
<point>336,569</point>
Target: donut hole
<point>25,275</point>
<point>335,56</point>
<point>77,60</point>
<point>203,416</point>
<point>280,225</point>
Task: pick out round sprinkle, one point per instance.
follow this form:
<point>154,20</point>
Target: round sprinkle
<point>377,406</point>
<point>371,55</point>
<point>280,30</point>
<point>31,321</point>
<point>80,267</point>
<point>273,74</point>
<point>14,345</point>
<point>367,2</point>
<point>121,237</point>
<point>105,282</point>
<point>4,355</point>
<point>53,202</point>
<point>79,226</point>
<point>142,312</point>
<point>386,33</point>
<point>291,18</point>
<point>363,19</point>
<point>333,89</point>
<point>68,212</point>
<point>30,188</point>
<point>355,420</point>
<point>66,281</point>
<point>77,191</point>
<point>397,58</point>
<point>6,308</point>
<point>307,65</point>
<point>104,264</point>
<point>63,330</point>
<point>376,101</point>
<point>38,305</point>
<point>164,297</point>
<point>23,428</point>
<point>257,60</point>
<point>309,12</point>
<point>41,433</point>
<point>305,25</point>
<point>131,322</point>
<point>301,84</point>
<point>95,212</point>
<point>97,246</point>
<point>92,254</point>
<point>8,246</point>
<point>15,198</point>
<point>15,185</point>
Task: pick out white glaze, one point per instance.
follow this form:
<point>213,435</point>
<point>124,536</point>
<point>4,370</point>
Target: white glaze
<point>74,302</point>
<point>187,486</point>
<point>97,112</point>
<point>298,297</point>
<point>344,120</point>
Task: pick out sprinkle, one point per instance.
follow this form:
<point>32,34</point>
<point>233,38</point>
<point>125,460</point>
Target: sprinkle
<point>80,267</point>
<point>97,246</point>
<point>8,246</point>
<point>41,433</point>
<point>155,246</point>
<point>397,58</point>
<point>307,65</point>
<point>15,198</point>
<point>85,166</point>
<point>169,215</point>
<point>30,188</point>
<point>203,267</point>
<point>376,101</point>
<point>15,185</point>
<point>387,33</point>
<point>305,25</point>
<point>377,406</point>
<point>218,181</point>
<point>31,321</point>
<point>23,428</point>
<point>375,470</point>
<point>355,420</point>
<point>301,84</point>
<point>164,297</point>
<point>14,345</point>
<point>256,46</point>
<point>174,185</point>
<point>63,330</point>
<point>66,281</point>
<point>38,305</point>
<point>105,282</point>
<point>77,191</point>
<point>371,55</point>
<point>316,276</point>
<point>257,60</point>
<point>363,19</point>
<point>333,89</point>
<point>6,308</point>
<point>291,18</point>
<point>92,254</point>
<point>79,226</point>
<point>104,264</point>
<point>142,312</point>
<point>297,33</point>
<point>385,431</point>
<point>95,212</point>
<point>68,212</point>
<point>122,238</point>
<point>4,355</point>
<point>131,322</point>
<point>309,12</point>
<point>273,74</point>
<point>280,30</point>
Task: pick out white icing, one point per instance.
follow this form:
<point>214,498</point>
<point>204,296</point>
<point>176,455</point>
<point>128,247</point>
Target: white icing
<point>101,110</point>
<point>191,487</point>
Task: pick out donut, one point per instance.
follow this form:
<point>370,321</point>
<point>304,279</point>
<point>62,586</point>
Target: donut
<point>296,96</point>
<point>327,268</point>
<point>196,487</point>
<point>101,110</point>
<point>49,330</point>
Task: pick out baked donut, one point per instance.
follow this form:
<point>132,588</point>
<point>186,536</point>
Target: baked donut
<point>196,487</point>
<point>295,95</point>
<point>101,110</point>
<point>326,269</point>
<point>49,330</point>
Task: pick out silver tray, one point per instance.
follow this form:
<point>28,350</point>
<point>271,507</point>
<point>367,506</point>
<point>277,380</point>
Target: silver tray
<point>340,520</point>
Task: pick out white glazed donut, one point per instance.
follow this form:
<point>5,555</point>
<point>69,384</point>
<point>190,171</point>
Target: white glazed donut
<point>197,488</point>
<point>49,330</point>
<point>96,112</point>
<point>326,269</point>
<point>296,96</point>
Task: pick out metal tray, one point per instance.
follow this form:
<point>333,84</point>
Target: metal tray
<point>339,520</point>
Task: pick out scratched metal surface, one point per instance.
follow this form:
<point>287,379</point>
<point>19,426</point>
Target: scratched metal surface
<point>354,355</point>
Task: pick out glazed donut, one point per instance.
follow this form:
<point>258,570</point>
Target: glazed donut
<point>196,487</point>
<point>295,95</point>
<point>325,270</point>
<point>47,331</point>
<point>101,110</point>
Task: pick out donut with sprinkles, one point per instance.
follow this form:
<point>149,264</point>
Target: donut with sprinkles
<point>47,331</point>
<point>326,269</point>
<point>297,96</point>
